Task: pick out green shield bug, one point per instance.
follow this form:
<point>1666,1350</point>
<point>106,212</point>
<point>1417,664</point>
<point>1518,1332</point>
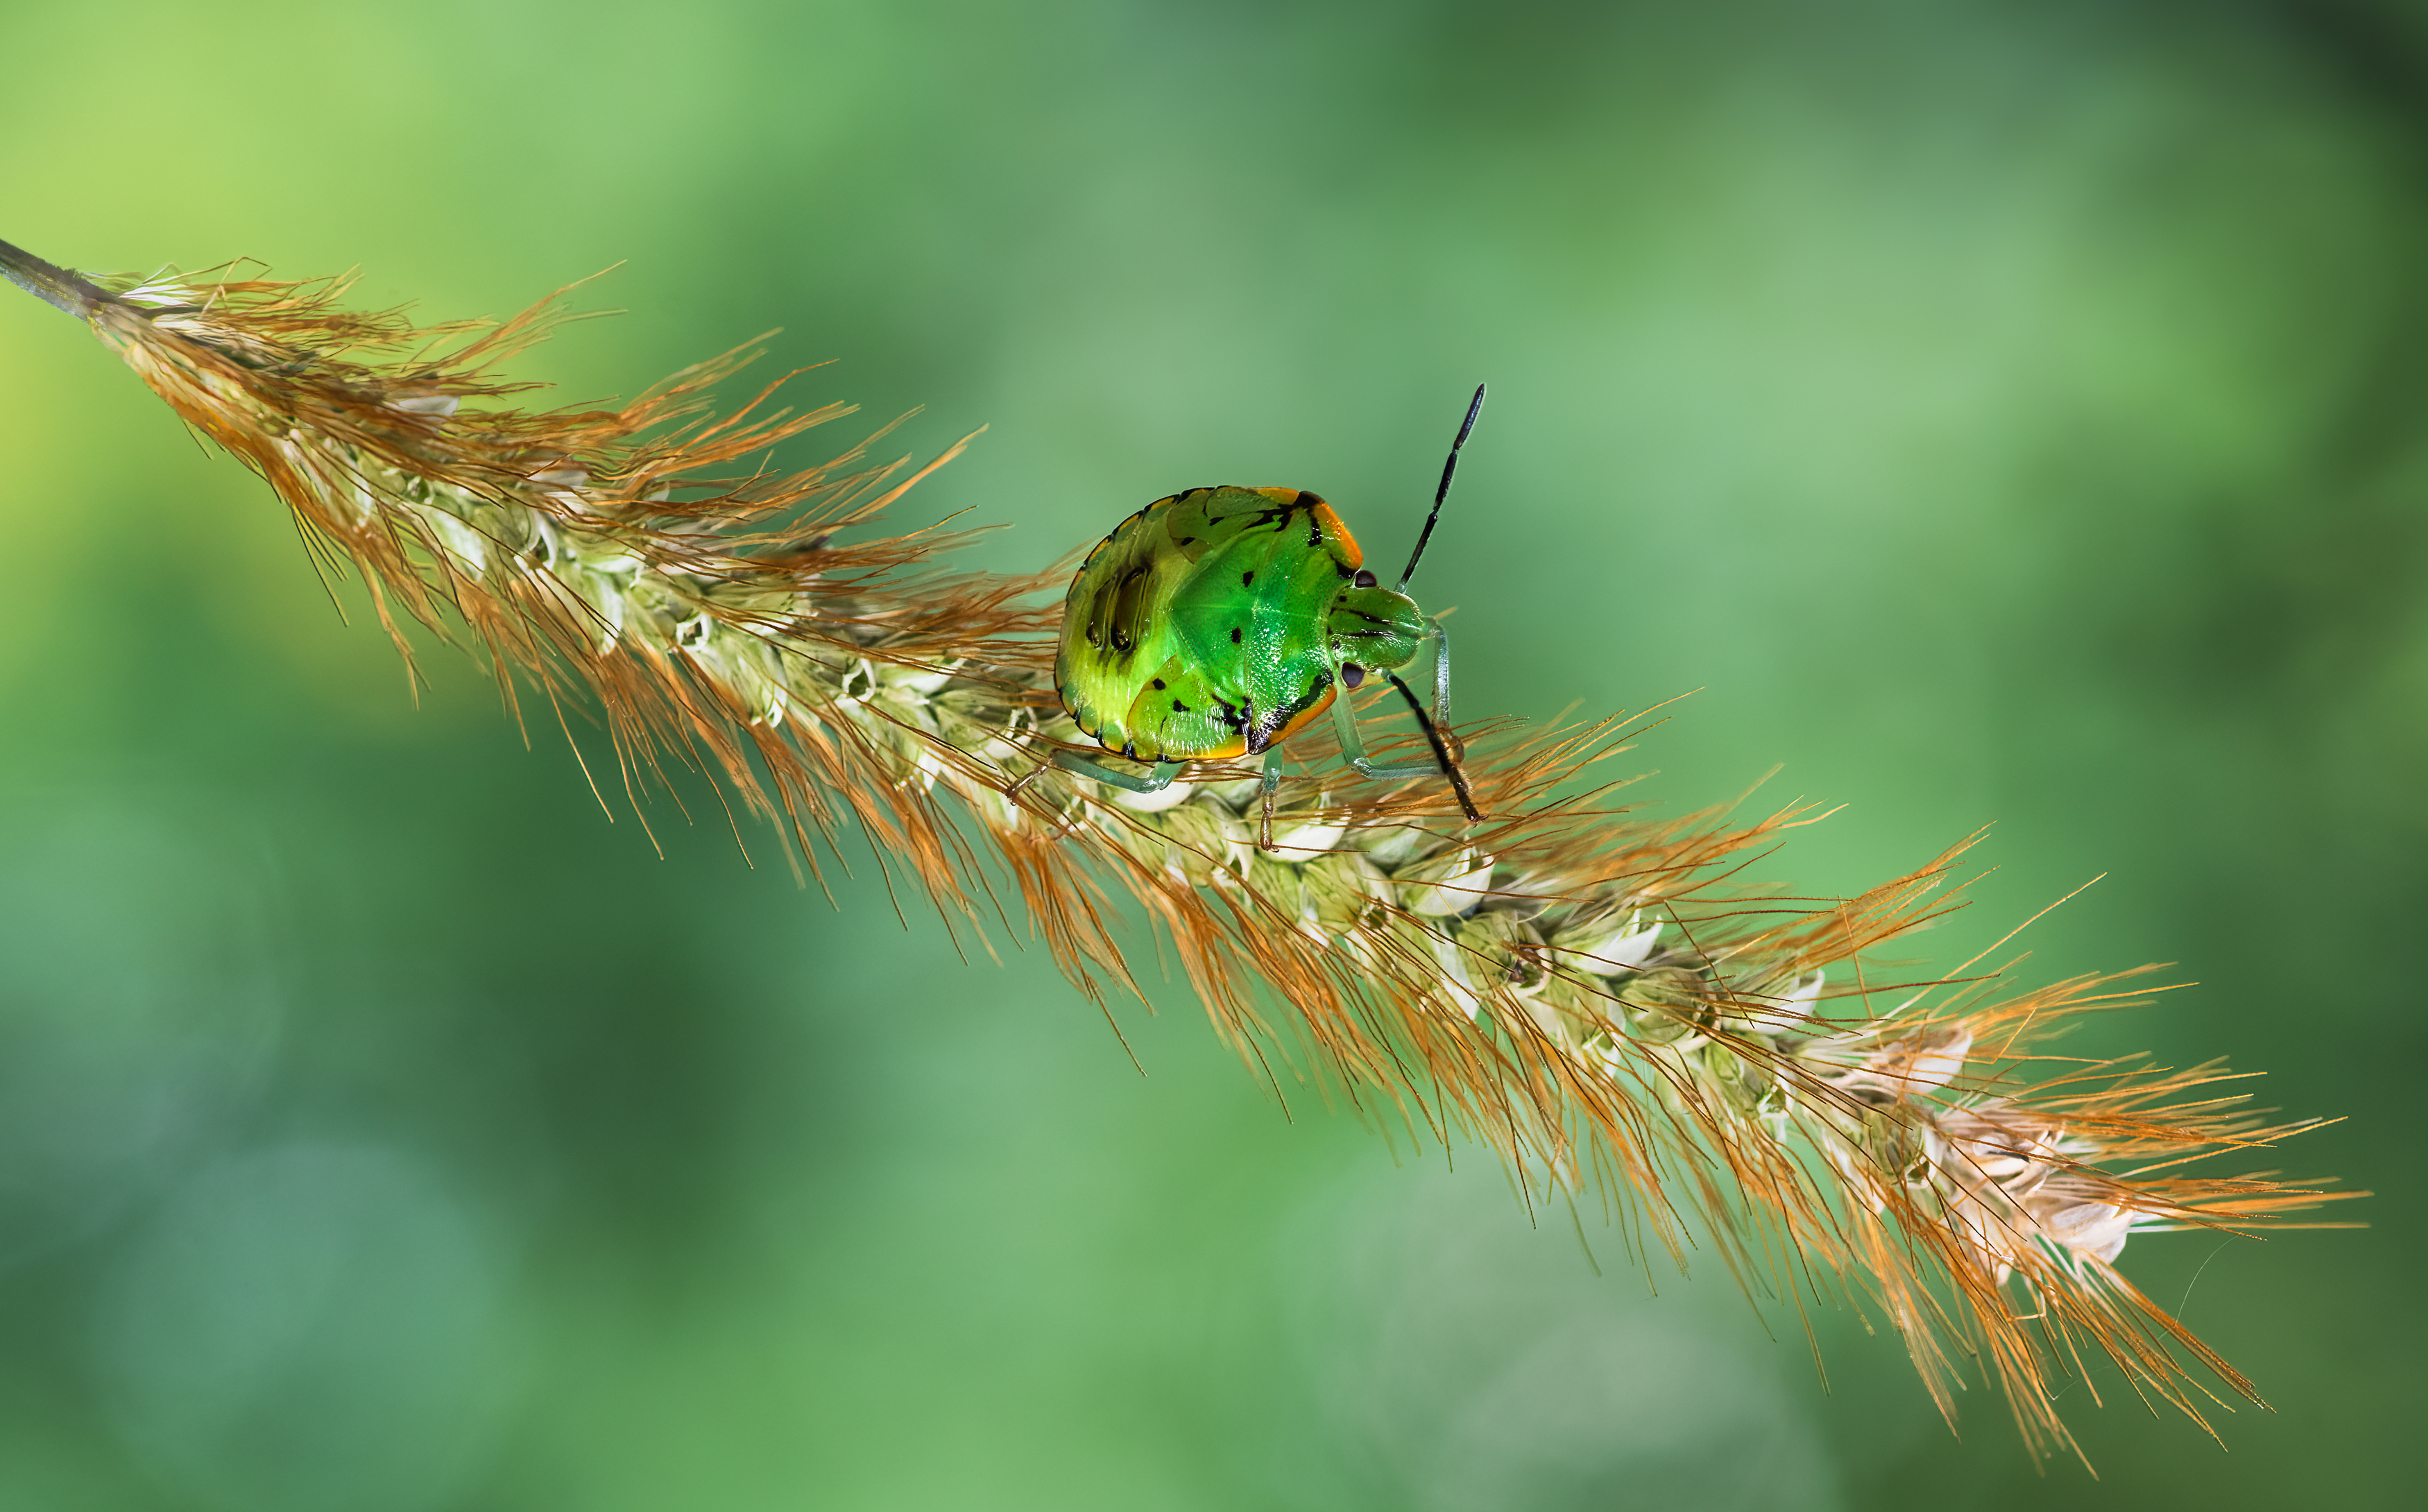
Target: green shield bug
<point>1218,623</point>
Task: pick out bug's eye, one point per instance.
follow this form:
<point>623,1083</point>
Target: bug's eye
<point>1364,579</point>
<point>1352,674</point>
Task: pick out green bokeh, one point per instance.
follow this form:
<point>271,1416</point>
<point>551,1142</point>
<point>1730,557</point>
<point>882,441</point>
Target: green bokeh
<point>2003,412</point>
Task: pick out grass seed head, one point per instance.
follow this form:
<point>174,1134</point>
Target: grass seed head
<point>1579,986</point>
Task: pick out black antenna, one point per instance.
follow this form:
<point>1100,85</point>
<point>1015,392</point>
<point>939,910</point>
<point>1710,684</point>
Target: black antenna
<point>1441,493</point>
<point>1432,737</point>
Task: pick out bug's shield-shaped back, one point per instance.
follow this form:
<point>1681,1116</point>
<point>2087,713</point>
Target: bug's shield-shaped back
<point>1194,631</point>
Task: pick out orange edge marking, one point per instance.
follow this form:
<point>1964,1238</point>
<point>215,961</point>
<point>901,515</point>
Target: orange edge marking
<point>1332,525</point>
<point>1237,746</point>
<point>1299,721</point>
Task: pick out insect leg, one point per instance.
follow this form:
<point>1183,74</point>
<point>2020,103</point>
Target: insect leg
<point>1273,781</point>
<point>1441,674</point>
<point>1154,781</point>
<point>1441,751</point>
<point>1353,745</point>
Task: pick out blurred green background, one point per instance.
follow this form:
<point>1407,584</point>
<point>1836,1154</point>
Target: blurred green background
<point>2003,412</point>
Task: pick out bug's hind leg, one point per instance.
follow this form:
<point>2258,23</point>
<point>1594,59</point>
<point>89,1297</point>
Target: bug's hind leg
<point>1154,781</point>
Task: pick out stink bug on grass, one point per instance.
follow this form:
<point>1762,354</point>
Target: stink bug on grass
<point>1219,622</point>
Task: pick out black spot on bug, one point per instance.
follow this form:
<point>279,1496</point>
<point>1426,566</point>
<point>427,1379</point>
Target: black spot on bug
<point>1178,707</point>
<point>1365,579</point>
<point>1307,501</point>
<point>1159,683</point>
<point>1314,536</point>
<point>1235,634</point>
<point>1247,577</point>
<point>1129,749</point>
<point>1343,571</point>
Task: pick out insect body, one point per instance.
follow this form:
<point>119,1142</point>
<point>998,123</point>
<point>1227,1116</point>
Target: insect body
<point>1218,623</point>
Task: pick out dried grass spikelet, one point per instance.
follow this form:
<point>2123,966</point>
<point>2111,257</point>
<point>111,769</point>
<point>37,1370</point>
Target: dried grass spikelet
<point>1577,987</point>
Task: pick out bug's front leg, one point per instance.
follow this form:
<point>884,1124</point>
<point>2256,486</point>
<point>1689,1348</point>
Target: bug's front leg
<point>1353,751</point>
<point>1441,676</point>
<point>1353,744</point>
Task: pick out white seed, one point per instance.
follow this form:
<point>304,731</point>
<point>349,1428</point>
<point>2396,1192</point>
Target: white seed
<point>1937,1065</point>
<point>608,600</point>
<point>1307,842</point>
<point>1459,985</point>
<point>1805,992</point>
<point>1860,1181</point>
<point>918,680</point>
<point>1454,894</point>
<point>778,702</point>
<point>2095,1228</point>
<point>461,541</point>
<point>1625,948</point>
<point>1155,802</point>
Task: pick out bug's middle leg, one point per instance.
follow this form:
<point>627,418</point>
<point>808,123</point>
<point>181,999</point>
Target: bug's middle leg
<point>1273,781</point>
<point>1154,781</point>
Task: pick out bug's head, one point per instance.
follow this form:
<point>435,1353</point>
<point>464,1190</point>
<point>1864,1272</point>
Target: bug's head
<point>1371,626</point>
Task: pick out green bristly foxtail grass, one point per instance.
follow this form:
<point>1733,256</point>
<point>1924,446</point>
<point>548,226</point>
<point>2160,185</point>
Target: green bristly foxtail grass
<point>1575,985</point>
